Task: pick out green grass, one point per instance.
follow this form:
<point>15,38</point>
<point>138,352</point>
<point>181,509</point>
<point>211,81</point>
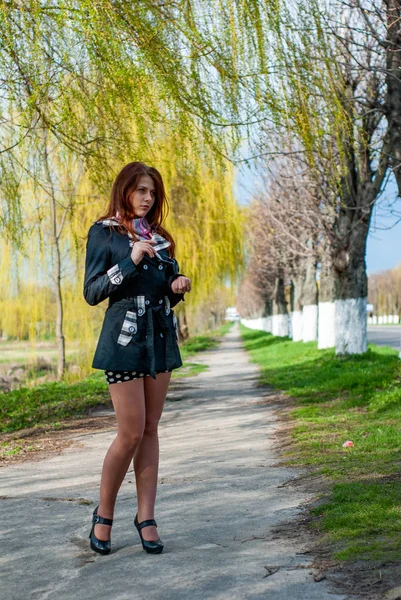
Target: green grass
<point>355,398</point>
<point>52,402</point>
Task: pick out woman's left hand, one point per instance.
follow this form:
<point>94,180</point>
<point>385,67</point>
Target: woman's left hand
<point>181,285</point>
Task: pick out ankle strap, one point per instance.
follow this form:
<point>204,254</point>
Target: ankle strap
<point>143,524</point>
<point>98,519</point>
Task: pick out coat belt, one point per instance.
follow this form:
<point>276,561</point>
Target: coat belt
<point>158,313</point>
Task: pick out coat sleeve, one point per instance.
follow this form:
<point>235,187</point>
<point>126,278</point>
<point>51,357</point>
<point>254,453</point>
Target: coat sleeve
<point>102,278</point>
<point>173,297</point>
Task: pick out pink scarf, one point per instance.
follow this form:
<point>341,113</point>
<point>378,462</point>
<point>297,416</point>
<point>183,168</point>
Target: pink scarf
<point>144,233</point>
<point>140,226</point>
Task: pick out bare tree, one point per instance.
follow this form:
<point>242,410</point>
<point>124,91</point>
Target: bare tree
<point>341,97</point>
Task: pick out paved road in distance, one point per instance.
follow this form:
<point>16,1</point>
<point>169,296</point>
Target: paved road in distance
<point>387,335</point>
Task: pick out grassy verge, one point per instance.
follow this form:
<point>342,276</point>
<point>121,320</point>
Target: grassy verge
<point>51,403</point>
<point>355,398</point>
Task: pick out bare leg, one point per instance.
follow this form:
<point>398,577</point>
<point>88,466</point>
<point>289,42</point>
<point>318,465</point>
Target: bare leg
<point>146,458</point>
<point>129,404</point>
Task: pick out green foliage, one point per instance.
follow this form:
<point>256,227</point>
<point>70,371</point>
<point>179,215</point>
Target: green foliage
<point>316,376</point>
<point>102,81</point>
<point>29,407</point>
<point>355,398</point>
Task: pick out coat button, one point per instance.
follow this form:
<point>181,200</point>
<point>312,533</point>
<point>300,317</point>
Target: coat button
<point>147,301</point>
<point>161,334</point>
<point>160,267</point>
<point>145,267</point>
<point>140,311</point>
<point>160,301</point>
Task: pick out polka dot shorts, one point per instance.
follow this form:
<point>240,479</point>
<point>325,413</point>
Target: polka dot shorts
<point>121,376</point>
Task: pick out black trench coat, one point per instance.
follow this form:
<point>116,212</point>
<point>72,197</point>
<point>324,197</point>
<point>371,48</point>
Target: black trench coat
<point>139,331</point>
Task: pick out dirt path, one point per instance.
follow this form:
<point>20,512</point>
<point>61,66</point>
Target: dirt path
<point>220,502</point>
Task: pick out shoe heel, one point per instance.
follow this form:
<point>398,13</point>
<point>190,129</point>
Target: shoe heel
<point>151,547</point>
<point>100,546</point>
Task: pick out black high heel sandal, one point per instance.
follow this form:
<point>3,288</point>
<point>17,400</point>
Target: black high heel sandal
<point>153,546</point>
<point>100,546</point>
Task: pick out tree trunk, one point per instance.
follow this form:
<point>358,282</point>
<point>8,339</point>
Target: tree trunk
<point>267,317</point>
<point>182,326</point>
<point>280,313</point>
<point>59,306</point>
<point>352,292</point>
<point>309,301</point>
<point>326,308</point>
<point>213,319</point>
<point>55,241</point>
<point>296,309</point>
<point>393,85</point>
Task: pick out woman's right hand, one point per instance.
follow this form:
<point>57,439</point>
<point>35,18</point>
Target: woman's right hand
<point>139,249</point>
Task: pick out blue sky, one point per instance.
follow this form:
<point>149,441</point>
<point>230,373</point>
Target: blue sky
<point>384,242</point>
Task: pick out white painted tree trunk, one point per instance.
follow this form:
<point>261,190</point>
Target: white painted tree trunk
<point>280,325</point>
<point>351,326</point>
<point>260,324</point>
<point>326,326</point>
<point>267,324</point>
<point>280,318</point>
<point>297,283</point>
<point>309,316</point>
<point>296,325</point>
<point>253,323</point>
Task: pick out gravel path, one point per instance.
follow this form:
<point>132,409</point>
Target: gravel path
<point>218,502</point>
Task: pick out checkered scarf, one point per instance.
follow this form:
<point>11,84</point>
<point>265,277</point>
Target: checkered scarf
<point>143,231</point>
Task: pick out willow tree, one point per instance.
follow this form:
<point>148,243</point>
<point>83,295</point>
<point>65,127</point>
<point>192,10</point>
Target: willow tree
<point>204,219</point>
<point>108,80</point>
<point>103,84</point>
<point>78,69</point>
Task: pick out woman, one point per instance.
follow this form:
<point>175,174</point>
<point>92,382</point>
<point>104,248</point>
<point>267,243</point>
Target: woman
<point>130,260</point>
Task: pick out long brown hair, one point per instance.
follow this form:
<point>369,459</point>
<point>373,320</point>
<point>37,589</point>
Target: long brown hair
<point>126,182</point>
